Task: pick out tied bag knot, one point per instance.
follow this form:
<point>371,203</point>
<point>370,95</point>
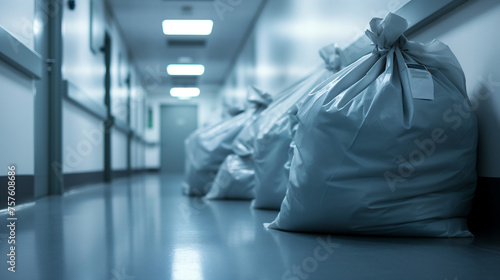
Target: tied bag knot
<point>331,57</point>
<point>385,33</point>
<point>259,97</point>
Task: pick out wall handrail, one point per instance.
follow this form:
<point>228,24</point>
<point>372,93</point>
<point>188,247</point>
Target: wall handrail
<point>18,55</point>
<point>83,100</point>
<point>121,126</point>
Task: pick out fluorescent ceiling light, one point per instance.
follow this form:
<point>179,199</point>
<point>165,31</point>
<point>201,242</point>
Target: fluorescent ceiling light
<point>184,92</point>
<point>187,26</point>
<point>186,69</point>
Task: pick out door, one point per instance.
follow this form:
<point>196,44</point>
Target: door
<point>177,122</point>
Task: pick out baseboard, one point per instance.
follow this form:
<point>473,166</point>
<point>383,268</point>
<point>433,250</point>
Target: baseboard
<point>74,180</point>
<point>25,184</point>
<point>152,170</point>
<point>120,173</point>
<point>123,173</point>
<point>485,212</point>
<point>24,193</point>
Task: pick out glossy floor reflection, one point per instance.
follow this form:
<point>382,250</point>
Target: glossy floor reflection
<point>143,228</point>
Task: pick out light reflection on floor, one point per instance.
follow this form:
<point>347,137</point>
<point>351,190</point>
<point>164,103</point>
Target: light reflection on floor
<point>144,228</point>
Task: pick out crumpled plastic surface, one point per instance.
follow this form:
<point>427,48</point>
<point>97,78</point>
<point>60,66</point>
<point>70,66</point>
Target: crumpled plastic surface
<point>275,132</point>
<point>230,182</point>
<point>234,180</point>
<point>369,158</point>
<point>236,177</point>
<point>207,148</point>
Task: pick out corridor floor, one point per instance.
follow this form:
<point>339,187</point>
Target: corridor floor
<point>143,228</point>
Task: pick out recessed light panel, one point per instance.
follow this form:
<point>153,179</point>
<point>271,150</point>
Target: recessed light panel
<point>187,26</point>
<point>184,92</point>
<point>186,69</point>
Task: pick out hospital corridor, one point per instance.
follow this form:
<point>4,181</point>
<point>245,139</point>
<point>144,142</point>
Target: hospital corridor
<point>249,139</point>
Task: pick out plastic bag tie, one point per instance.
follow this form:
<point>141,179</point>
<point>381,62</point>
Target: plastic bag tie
<point>385,33</point>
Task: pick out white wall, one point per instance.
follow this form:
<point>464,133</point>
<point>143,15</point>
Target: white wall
<point>471,32</point>
<point>16,113</point>
<point>243,75</point>
<point>84,68</point>
<point>287,37</point>
<point>118,150</point>
<point>120,68</point>
<point>137,120</point>
<point>152,156</point>
<point>289,34</point>
<point>17,17</point>
<point>83,141</point>
<point>17,93</point>
<point>137,155</point>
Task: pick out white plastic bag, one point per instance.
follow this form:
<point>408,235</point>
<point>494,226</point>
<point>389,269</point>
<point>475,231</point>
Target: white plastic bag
<point>235,178</point>
<point>381,152</point>
<point>207,148</point>
<point>275,132</point>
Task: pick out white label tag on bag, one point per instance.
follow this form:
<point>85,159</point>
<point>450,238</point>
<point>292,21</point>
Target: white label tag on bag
<point>422,86</point>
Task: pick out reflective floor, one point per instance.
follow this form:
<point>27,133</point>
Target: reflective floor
<point>144,228</point>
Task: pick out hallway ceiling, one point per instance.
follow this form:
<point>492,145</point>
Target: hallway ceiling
<point>140,22</point>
